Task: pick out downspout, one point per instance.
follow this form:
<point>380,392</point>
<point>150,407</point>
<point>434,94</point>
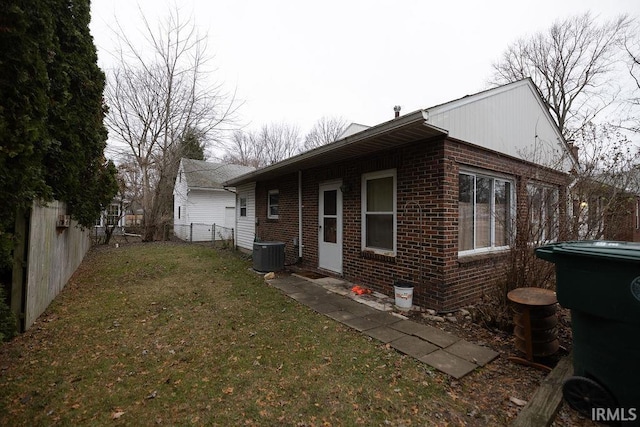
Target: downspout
<point>299,215</point>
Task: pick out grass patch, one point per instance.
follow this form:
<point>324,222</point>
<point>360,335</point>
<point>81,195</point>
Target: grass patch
<point>183,334</point>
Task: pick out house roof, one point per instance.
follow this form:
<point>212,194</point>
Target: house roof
<point>404,129</point>
<point>479,120</point>
<point>204,175</point>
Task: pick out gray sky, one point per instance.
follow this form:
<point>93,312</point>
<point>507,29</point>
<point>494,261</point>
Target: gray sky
<point>297,61</point>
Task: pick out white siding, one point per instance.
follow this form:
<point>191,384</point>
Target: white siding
<point>180,225</point>
<point>510,120</point>
<point>204,209</point>
<point>246,226</point>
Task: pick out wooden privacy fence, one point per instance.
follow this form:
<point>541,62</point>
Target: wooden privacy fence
<point>49,250</point>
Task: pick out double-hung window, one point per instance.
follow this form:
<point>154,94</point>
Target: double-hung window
<point>272,204</point>
<point>113,214</point>
<point>379,212</point>
<point>485,212</point>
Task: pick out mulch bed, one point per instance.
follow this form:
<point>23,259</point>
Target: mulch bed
<point>495,394</point>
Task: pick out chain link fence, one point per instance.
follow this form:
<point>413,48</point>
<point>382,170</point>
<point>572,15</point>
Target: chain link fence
<point>196,232</point>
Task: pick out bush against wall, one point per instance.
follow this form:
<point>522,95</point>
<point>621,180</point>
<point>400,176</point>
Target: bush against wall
<point>52,135</point>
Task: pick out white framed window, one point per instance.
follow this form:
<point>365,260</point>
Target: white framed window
<point>486,208</point>
<point>113,214</point>
<point>272,204</point>
<point>543,213</point>
<point>242,202</point>
<point>379,212</point>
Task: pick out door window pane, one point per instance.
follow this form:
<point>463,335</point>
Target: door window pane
<point>330,230</point>
<point>330,202</point>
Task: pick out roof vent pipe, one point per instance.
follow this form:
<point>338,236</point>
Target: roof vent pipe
<point>396,110</point>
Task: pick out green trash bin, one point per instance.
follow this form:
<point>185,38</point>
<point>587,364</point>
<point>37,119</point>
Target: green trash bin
<point>600,282</point>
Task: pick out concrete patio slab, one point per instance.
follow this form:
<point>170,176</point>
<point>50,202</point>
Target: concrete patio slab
<point>437,336</point>
<point>360,323</point>
<point>472,352</point>
<point>287,280</point>
<point>377,305</point>
<point>330,281</point>
<point>448,363</point>
<point>324,307</point>
<point>426,332</point>
<point>305,298</point>
<point>413,346</point>
<point>384,334</point>
<point>337,289</point>
<point>383,318</point>
<point>369,314</point>
<point>355,308</point>
<point>287,287</point>
<point>341,315</point>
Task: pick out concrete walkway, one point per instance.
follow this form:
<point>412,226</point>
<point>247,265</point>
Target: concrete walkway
<point>372,315</point>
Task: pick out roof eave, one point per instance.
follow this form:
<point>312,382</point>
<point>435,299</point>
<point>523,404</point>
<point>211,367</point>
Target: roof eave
<point>404,129</point>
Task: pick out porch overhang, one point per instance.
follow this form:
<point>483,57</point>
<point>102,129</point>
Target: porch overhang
<point>394,133</point>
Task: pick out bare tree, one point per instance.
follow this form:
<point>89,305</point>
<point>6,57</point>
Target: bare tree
<point>325,131</point>
<point>112,214</point>
<point>571,64</point>
<point>603,198</point>
<point>156,95</point>
<point>272,143</point>
<point>280,141</point>
<point>243,149</point>
<point>632,47</point>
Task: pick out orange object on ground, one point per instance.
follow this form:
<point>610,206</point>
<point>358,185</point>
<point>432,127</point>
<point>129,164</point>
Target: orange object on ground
<point>360,290</point>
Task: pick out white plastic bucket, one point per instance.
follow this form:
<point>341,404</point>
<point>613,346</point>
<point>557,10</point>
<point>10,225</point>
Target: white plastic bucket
<point>404,297</point>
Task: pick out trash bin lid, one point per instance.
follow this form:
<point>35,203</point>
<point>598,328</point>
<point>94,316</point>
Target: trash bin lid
<point>604,249</point>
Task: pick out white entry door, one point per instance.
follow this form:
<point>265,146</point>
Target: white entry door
<point>330,227</point>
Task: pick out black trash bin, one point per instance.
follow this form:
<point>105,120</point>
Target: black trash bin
<point>600,282</point>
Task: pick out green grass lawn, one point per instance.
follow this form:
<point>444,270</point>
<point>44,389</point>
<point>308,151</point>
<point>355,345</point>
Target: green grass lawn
<point>176,334</point>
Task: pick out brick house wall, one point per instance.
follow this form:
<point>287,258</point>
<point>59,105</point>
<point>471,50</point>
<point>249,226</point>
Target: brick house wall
<point>427,219</point>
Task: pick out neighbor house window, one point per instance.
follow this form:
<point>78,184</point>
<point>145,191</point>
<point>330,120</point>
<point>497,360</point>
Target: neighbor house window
<point>113,215</point>
<point>272,204</point>
<point>243,206</point>
<point>485,212</point>
<point>543,213</point>
<point>379,211</point>
<point>179,211</point>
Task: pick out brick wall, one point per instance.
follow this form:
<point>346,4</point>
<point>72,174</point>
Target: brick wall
<point>427,220</point>
<point>285,228</point>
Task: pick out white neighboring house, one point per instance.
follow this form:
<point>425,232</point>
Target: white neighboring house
<point>203,209</point>
<point>111,217</point>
